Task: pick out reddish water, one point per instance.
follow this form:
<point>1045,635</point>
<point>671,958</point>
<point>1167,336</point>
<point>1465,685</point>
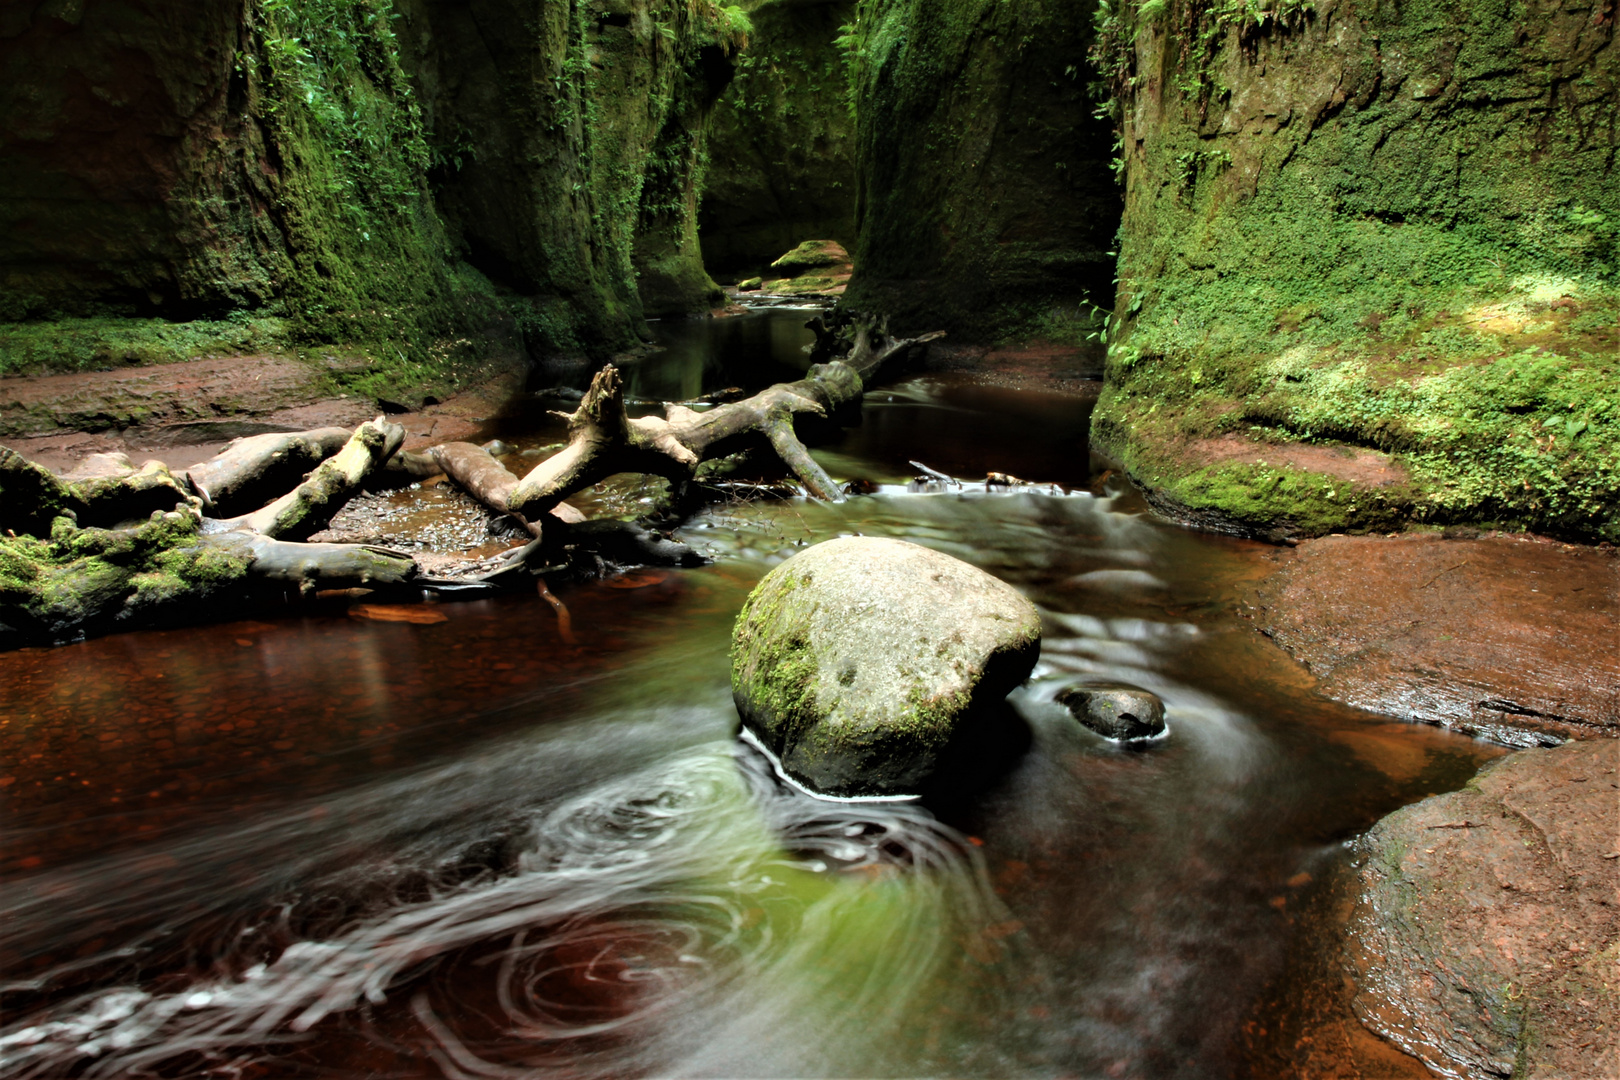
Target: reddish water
<point>329,845</point>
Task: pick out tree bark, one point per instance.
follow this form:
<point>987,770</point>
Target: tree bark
<point>316,566</point>
<point>251,471</point>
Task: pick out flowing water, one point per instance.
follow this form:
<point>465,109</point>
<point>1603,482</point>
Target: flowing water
<point>329,846</point>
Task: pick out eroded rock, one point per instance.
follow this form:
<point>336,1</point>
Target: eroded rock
<point>1485,938</point>
<point>859,661</point>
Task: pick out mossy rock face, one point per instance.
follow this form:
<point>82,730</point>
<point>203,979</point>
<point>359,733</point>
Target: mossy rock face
<point>988,206</point>
<point>811,255</point>
<point>814,268</point>
<point>391,175</point>
<point>859,661</point>
<point>1330,248</point>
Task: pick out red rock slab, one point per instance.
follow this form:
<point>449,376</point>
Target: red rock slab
<point>163,394</point>
<point>1486,935</point>
<point>1511,638</point>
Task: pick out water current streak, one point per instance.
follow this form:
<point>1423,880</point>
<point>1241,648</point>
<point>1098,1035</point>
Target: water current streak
<point>690,918</point>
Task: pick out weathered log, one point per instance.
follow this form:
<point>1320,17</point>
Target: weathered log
<point>477,472</point>
<point>604,441</point>
<point>310,507</point>
<point>316,566</point>
<point>251,471</point>
<point>408,466</point>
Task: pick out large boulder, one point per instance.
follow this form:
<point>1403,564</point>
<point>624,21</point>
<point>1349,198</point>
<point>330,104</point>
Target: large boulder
<point>1484,938</point>
<point>862,663</point>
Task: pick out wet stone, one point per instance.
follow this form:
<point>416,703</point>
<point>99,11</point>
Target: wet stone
<point>1115,710</point>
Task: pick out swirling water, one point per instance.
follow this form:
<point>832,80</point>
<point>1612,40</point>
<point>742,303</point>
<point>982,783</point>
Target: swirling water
<point>324,846</point>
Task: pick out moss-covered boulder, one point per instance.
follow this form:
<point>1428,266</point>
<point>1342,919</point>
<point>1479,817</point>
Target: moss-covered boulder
<point>813,268</point>
<point>1368,272</point>
<point>860,661</point>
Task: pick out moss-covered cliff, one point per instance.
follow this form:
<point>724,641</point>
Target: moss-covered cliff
<point>986,204</point>
<point>781,141</point>
<point>392,177</point>
<point>569,145</point>
<point>1369,271</point>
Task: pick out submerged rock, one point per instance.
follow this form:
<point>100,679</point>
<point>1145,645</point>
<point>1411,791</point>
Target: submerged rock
<point>860,662</point>
<point>1115,710</point>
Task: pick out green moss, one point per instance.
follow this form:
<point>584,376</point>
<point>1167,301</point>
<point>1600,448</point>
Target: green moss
<point>780,679</point>
<point>94,344</point>
<point>781,141</point>
<point>1392,268</point>
<point>811,255</point>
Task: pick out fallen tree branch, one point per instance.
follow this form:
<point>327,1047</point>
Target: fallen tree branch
<point>251,471</point>
<point>316,566</point>
<point>604,441</point>
<point>310,507</point>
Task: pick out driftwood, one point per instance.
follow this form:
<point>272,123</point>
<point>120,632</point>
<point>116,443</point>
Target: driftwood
<point>491,483</point>
<point>310,507</point>
<point>112,546</point>
<point>309,567</point>
<point>251,471</point>
<point>604,441</point>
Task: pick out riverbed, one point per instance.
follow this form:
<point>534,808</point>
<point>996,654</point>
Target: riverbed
<point>460,839</point>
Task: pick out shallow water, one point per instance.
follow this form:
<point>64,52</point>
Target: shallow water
<point>325,845</point>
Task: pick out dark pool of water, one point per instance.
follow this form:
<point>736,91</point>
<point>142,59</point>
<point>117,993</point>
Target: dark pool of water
<point>324,845</point>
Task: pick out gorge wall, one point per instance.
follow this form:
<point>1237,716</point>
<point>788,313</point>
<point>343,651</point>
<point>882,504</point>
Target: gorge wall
<point>1368,271</point>
<point>781,142</point>
<point>987,207</point>
<point>397,177</point>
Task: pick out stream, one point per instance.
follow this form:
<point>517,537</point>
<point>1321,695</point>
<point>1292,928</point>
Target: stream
<point>328,846</point>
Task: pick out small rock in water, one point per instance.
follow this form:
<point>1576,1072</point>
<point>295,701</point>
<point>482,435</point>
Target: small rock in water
<point>865,664</point>
<point>1115,710</point>
<point>496,448</point>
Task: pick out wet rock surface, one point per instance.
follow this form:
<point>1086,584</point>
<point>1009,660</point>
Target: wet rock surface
<point>1485,939</point>
<point>1115,710</point>
<point>1510,638</point>
<point>859,661</point>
